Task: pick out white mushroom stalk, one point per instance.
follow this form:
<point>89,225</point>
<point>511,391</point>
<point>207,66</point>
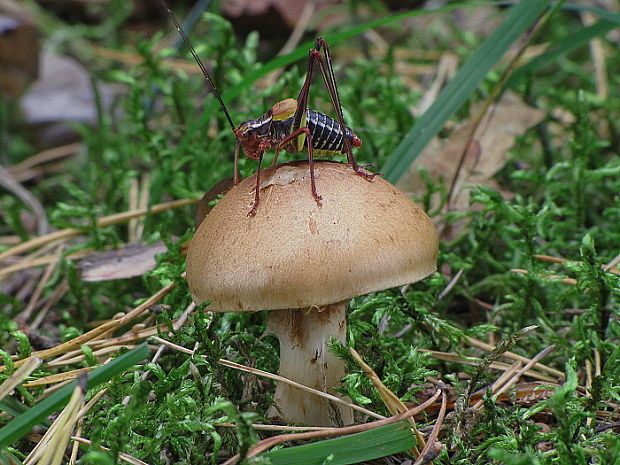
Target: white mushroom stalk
<point>297,256</point>
<point>304,357</point>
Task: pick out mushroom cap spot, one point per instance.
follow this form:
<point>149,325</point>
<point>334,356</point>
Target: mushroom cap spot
<point>365,236</point>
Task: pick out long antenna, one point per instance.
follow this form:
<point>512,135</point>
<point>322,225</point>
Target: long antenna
<point>199,61</point>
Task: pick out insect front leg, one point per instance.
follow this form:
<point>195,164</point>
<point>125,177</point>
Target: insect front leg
<point>254,208</point>
<point>264,145</point>
<point>294,135</point>
<point>236,168</point>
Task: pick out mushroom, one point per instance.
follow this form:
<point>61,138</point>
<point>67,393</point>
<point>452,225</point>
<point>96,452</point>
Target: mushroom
<point>304,261</point>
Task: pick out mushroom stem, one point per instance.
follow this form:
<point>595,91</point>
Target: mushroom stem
<point>305,358</point>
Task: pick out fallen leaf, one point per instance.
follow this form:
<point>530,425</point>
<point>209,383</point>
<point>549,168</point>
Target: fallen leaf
<point>486,152</point>
<point>127,262</point>
<point>63,93</point>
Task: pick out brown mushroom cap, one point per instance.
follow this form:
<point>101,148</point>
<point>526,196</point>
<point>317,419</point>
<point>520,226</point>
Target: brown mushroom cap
<point>365,236</point>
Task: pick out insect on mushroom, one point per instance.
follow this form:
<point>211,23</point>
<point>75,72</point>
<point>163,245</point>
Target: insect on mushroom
<point>289,124</point>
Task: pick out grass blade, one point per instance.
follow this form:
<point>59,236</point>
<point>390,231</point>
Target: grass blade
<point>519,19</point>
<point>355,448</point>
<point>602,14</point>
<point>19,426</point>
<point>562,47</point>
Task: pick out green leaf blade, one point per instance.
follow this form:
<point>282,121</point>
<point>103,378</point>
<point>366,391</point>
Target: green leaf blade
<point>20,425</point>
<point>355,448</point>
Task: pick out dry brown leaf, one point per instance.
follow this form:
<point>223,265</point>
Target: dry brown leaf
<point>487,151</point>
<point>63,92</point>
<point>126,262</point>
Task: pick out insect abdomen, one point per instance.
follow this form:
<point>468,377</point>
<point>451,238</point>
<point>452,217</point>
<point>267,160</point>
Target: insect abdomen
<point>326,133</point>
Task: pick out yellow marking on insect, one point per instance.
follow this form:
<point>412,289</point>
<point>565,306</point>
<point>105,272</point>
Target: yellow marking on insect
<point>301,140</point>
<point>284,109</point>
<point>321,153</point>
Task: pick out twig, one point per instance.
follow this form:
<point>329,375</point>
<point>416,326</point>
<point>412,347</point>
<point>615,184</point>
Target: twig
<point>539,356</point>
<point>138,198</point>
<point>25,196</point>
<point>25,170</point>
<point>483,345</point>
<point>121,455</point>
<point>101,222</point>
<point>300,28</point>
<point>58,377</point>
<point>176,325</point>
<point>570,281</point>
<point>52,445</point>
<point>134,187</point>
<point>499,382</point>
<point>433,448</point>
<point>391,401</point>
<point>77,356</point>
<point>608,267</point>
<point>588,387</point>
<point>172,345</point>
<point>598,58</point>
<point>33,261</point>
<point>18,377</point>
<point>60,290</point>
<point>451,284</point>
<point>293,40</point>
<point>611,266</point>
<point>263,427</point>
<point>445,70</point>
<point>99,331</point>
<point>24,315</point>
<point>475,360</point>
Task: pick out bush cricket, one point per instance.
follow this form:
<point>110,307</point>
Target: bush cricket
<point>289,124</point>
